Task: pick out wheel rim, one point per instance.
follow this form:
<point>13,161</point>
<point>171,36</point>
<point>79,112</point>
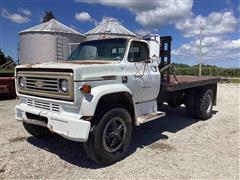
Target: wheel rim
<point>208,103</point>
<point>114,134</point>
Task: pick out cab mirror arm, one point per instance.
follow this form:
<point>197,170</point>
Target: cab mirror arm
<point>148,60</point>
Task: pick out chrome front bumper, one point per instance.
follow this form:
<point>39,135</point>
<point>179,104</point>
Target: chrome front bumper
<point>68,125</point>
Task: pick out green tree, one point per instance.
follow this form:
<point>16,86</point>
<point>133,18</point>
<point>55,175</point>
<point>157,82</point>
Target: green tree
<point>2,58</point>
<point>9,58</point>
<point>48,16</point>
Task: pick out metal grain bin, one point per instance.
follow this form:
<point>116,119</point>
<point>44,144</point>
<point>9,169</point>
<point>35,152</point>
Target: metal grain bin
<point>47,42</point>
<point>109,29</point>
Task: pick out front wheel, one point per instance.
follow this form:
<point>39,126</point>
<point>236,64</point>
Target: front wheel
<point>110,137</point>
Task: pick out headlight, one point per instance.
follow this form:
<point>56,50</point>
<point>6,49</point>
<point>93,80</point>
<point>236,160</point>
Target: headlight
<point>64,85</point>
<point>21,82</point>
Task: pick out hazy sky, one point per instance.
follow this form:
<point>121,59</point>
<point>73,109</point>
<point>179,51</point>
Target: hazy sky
<point>182,19</point>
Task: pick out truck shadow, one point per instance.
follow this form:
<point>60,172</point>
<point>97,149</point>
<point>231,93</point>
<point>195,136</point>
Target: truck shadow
<point>7,97</point>
<point>145,135</point>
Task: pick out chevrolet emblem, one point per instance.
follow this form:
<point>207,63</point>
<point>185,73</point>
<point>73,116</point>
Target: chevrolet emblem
<point>39,84</point>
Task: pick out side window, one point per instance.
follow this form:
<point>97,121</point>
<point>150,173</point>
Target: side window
<point>138,52</point>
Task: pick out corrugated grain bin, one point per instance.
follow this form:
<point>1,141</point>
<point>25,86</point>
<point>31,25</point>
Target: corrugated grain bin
<point>47,42</point>
<point>109,29</point>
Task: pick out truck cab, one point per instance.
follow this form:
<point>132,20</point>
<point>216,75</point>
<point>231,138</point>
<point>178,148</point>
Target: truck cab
<point>97,95</point>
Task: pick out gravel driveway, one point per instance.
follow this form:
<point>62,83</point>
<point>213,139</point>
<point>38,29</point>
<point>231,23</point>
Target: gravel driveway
<point>174,147</point>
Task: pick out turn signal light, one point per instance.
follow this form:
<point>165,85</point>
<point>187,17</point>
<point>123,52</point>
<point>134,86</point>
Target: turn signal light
<point>86,89</point>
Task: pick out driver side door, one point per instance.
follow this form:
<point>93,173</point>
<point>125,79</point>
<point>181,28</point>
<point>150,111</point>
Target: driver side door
<point>144,79</point>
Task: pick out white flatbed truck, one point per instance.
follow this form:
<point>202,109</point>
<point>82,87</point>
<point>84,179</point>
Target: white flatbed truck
<point>105,88</point>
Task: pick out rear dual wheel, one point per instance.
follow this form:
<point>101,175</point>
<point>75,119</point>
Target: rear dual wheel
<point>204,104</point>
<point>199,103</point>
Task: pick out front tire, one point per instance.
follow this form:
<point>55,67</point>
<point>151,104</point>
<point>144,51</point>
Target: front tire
<point>110,137</point>
<point>37,131</point>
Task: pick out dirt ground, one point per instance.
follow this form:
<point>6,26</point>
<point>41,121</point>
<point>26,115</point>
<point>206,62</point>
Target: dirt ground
<point>174,147</point>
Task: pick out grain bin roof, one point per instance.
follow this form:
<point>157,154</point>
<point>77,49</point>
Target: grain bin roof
<point>110,27</point>
<point>51,26</point>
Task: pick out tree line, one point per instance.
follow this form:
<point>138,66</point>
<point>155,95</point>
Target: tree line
<point>207,70</point>
<point>4,59</point>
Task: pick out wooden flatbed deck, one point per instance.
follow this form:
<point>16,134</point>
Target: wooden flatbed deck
<point>185,82</point>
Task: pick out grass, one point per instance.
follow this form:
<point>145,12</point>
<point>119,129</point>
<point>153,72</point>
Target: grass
<point>6,72</point>
<point>237,80</point>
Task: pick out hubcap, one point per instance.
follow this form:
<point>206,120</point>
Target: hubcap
<point>208,103</point>
<point>114,134</point>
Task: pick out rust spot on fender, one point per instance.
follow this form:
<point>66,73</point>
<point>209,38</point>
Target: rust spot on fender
<point>30,65</point>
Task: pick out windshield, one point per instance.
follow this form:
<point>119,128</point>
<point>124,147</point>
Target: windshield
<point>104,49</point>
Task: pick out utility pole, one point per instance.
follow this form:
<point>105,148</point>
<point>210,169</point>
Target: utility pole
<point>18,54</point>
<point>200,53</point>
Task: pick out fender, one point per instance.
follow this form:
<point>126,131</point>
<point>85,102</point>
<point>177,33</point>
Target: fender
<point>90,101</point>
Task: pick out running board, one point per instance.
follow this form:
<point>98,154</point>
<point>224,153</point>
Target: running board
<point>149,117</point>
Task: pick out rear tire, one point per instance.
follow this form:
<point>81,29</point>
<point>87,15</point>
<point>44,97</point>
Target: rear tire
<point>204,104</point>
<point>37,131</point>
<point>110,137</point>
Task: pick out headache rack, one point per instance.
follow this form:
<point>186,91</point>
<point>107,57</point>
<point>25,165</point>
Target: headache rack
<point>165,57</point>
<point>171,82</point>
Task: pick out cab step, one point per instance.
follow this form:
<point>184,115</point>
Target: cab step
<point>149,117</point>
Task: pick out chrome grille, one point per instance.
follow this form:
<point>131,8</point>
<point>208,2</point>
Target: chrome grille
<point>46,84</point>
<point>43,105</point>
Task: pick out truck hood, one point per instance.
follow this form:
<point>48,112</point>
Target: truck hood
<point>83,70</point>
